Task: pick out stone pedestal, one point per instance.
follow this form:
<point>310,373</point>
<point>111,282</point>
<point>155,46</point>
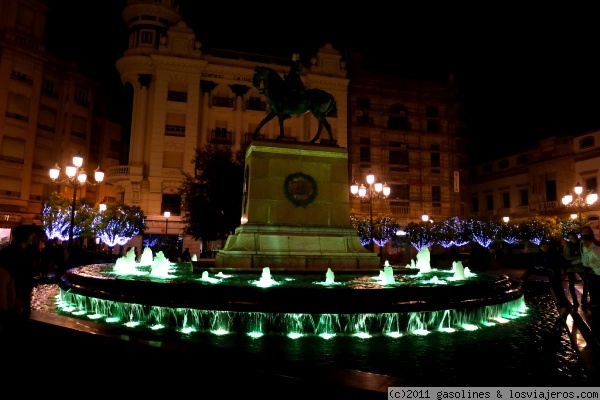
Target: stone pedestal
<point>296,211</point>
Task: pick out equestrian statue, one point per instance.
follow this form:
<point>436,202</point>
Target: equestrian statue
<point>287,96</point>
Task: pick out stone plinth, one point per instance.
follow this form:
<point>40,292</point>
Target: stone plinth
<point>295,211</point>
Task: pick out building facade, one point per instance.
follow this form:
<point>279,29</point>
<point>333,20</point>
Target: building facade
<point>410,135</point>
<point>533,182</point>
<point>50,110</point>
<point>185,97</point>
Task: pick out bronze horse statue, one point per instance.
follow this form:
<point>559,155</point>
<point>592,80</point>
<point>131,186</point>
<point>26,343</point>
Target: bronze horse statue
<point>282,103</point>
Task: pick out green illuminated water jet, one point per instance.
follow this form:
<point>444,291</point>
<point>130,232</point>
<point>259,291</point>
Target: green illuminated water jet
<point>392,302</point>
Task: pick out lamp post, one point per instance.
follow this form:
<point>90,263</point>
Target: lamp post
<point>579,203</point>
<point>76,177</point>
<point>167,214</point>
<point>373,189</point>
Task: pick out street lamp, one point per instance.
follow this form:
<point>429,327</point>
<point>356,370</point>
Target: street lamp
<point>579,203</point>
<point>167,214</point>
<point>76,177</point>
<point>374,189</point>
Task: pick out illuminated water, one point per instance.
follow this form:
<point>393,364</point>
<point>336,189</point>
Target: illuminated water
<point>534,349</point>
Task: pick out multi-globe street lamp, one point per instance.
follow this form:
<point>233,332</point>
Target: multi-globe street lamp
<point>579,203</point>
<point>373,189</point>
<point>77,178</point>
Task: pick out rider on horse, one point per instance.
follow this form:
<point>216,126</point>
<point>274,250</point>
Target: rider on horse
<point>293,82</point>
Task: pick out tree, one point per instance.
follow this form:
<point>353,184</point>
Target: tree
<point>212,197</point>
<point>484,232</point>
<point>422,234</point>
<point>384,229</point>
<point>118,223</point>
<point>56,217</point>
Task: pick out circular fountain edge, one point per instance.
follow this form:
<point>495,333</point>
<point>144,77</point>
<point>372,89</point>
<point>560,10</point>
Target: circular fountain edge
<point>196,294</point>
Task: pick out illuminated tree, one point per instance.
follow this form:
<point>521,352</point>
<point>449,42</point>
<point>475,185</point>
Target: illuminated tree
<point>56,217</point>
<point>484,232</point>
<point>119,223</point>
<point>422,234</point>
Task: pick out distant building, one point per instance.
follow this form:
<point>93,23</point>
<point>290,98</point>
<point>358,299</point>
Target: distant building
<point>50,111</point>
<point>533,182</point>
<point>410,134</point>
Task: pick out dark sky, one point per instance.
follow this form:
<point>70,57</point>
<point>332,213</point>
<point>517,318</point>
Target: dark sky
<point>525,73</point>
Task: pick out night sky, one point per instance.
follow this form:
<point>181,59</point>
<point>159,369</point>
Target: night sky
<point>525,73</point>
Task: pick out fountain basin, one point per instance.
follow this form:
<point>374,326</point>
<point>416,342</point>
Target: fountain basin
<point>295,291</point>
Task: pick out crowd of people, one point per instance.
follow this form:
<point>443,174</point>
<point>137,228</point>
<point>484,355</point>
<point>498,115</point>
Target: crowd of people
<point>577,257</point>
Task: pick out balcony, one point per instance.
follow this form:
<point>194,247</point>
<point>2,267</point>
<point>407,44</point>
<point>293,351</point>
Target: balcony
<point>118,173</point>
<point>220,136</point>
<point>546,207</point>
<point>174,130</point>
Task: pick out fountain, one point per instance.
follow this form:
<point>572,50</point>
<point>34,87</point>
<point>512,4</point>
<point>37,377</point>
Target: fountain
<point>329,277</point>
<point>293,303</point>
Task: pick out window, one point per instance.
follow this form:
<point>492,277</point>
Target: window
<point>365,154</point>
<point>47,119</point>
<point>255,103</point>
<point>221,133</point>
<point>147,37</point>
<point>586,142</point>
<point>172,203</point>
<point>436,194</point>
<point>398,153</point>
<point>432,112</point>
<point>551,191</point>
<point>18,106</point>
<point>487,168</point>
<point>503,164</point>
<point>365,150</point>
<point>13,149</point>
<point>433,123</point>
<point>524,195</point>
<point>506,200</point>
<point>49,87</point>
<point>591,185</point>
<point>79,126</point>
<point>81,95</point>
<point>475,204</point>
<point>399,191</point>
<point>435,160</point>
<point>398,118</point>
<point>180,97</point>
<point>363,104</point>
<point>489,200</point>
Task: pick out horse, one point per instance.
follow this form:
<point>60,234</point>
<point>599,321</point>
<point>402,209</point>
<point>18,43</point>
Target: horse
<point>282,103</point>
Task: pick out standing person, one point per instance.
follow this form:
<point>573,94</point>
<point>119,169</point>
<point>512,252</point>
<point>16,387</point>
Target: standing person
<point>574,267</point>
<point>185,256</point>
<point>19,258</point>
<point>587,270</point>
<point>590,257</point>
<point>549,262</point>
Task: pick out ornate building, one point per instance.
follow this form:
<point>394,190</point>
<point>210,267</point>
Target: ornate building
<point>185,96</point>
